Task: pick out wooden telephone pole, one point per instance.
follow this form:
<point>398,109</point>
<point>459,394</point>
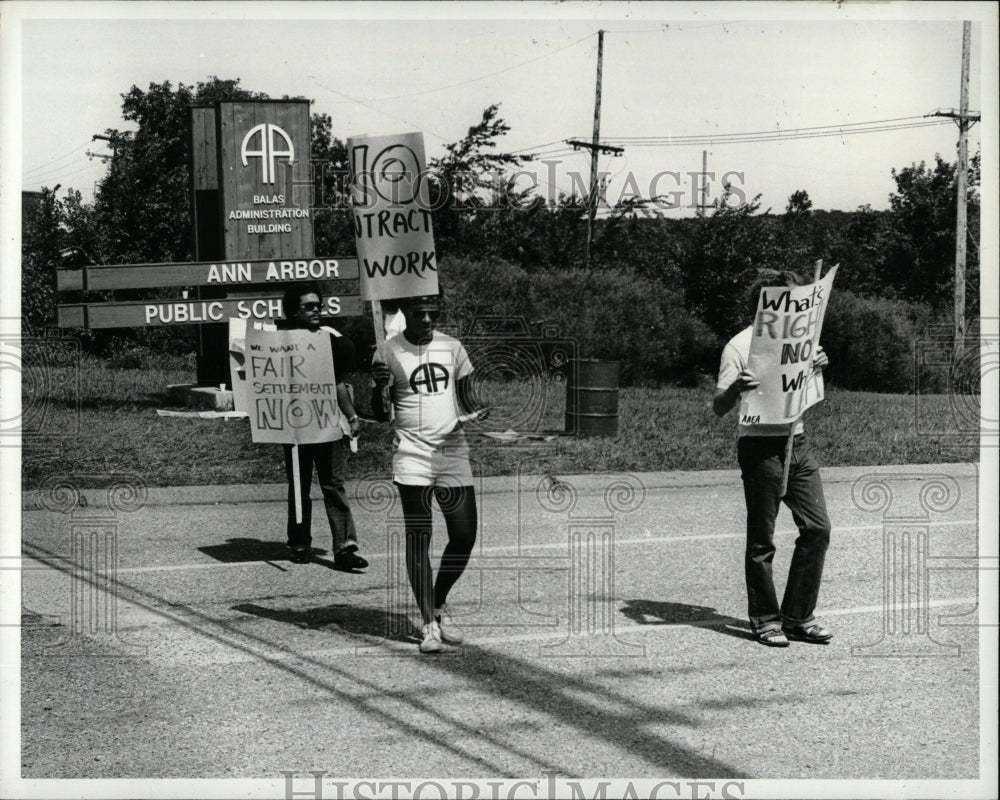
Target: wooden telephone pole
<point>965,120</point>
<point>595,147</point>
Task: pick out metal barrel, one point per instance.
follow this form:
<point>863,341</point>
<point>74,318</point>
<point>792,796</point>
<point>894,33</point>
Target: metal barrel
<point>592,397</point>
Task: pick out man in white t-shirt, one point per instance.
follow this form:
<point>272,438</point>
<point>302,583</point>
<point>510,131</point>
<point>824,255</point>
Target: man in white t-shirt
<point>429,378</point>
<point>761,450</point>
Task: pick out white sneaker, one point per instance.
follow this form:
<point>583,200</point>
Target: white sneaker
<point>450,632</point>
<point>432,639</point>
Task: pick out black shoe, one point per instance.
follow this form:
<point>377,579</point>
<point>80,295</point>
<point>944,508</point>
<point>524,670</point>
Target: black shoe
<point>810,632</point>
<point>348,561</point>
<point>300,555</point>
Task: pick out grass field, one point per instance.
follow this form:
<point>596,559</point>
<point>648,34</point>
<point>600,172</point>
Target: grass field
<point>95,420</point>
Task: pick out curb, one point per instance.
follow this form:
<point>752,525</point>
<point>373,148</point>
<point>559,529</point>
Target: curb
<point>585,484</point>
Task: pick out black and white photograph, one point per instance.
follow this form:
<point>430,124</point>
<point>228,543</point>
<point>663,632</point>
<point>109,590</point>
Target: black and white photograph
<point>499,400</point>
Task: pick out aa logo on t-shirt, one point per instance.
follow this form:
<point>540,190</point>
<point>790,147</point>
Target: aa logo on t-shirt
<point>429,378</point>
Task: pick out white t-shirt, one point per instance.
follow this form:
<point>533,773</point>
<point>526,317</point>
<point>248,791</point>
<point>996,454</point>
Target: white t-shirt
<point>734,360</point>
<point>423,384</point>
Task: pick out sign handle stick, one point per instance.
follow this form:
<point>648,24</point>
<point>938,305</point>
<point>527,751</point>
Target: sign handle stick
<point>297,484</point>
<point>817,274</point>
<point>379,322</point>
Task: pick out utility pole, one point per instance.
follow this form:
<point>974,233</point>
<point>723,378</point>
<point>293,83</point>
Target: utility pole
<point>592,198</point>
<point>595,147</point>
<point>965,120</point>
<point>703,191</point>
<point>961,231</point>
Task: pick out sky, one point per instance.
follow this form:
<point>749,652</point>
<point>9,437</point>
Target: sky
<point>669,71</point>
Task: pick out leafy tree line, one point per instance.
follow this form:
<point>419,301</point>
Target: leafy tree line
<point>678,278</point>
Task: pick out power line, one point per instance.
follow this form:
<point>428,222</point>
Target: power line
<point>376,110</point>
<point>720,139</point>
<point>57,171</point>
<point>773,131</point>
<point>537,146</point>
<point>61,177</point>
<point>53,160</point>
<point>474,80</point>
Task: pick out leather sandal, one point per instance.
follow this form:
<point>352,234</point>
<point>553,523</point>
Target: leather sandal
<point>772,637</point>
<point>810,632</point>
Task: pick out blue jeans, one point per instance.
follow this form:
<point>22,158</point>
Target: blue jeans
<point>762,461</point>
<point>330,461</point>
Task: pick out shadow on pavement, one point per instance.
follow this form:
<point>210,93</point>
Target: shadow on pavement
<point>592,709</point>
<point>237,550</point>
<point>596,710</point>
<point>654,612</point>
<point>351,620</point>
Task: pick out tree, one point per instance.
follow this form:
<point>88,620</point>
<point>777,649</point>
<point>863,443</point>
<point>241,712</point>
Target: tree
<point>799,204</point>
<point>143,204</point>
<point>469,179</point>
<point>724,250</point>
<point>920,262</point>
<point>40,247</point>
<point>333,231</point>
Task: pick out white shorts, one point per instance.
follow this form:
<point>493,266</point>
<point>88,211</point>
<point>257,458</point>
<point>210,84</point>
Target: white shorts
<point>447,465</point>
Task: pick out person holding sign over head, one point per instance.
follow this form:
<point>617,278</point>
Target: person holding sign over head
<point>763,450</point>
<point>302,305</point>
<point>429,378</point>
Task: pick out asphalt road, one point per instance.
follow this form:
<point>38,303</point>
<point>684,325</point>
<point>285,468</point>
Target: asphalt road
<point>169,637</point>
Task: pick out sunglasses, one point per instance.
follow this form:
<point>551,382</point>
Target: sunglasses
<point>311,306</point>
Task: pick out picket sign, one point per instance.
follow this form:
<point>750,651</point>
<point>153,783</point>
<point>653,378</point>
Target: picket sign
<point>394,233</point>
<point>791,428</point>
<point>292,397</point>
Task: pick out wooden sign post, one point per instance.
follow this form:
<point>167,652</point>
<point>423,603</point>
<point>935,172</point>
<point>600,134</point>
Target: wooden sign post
<point>251,214</point>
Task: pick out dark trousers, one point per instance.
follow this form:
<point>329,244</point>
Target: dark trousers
<point>762,460</point>
<point>330,462</point>
<point>458,507</point>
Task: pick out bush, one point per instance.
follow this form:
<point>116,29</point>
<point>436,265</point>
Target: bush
<point>616,315</point>
<point>872,344</point>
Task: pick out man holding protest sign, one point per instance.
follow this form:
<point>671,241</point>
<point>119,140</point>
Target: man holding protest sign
<point>302,305</point>
<point>429,377</point>
<point>787,323</point>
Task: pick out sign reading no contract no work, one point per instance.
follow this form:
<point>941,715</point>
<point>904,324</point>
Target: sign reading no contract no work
<point>392,216</point>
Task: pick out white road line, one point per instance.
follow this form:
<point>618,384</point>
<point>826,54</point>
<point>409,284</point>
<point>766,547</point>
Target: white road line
<point>527,548</point>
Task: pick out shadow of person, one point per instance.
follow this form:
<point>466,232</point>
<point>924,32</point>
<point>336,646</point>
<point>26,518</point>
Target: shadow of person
<point>240,550</point>
<point>332,564</point>
<point>655,612</point>
<point>347,619</point>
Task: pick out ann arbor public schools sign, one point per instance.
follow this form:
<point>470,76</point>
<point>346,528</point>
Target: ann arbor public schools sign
<point>254,290</point>
<point>264,178</point>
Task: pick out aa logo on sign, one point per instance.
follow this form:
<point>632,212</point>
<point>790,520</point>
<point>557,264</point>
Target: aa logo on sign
<point>429,378</point>
<point>269,148</point>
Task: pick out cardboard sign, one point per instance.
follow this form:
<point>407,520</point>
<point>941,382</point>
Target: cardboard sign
<point>392,216</point>
<point>786,332</point>
<point>237,360</point>
<point>291,388</point>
